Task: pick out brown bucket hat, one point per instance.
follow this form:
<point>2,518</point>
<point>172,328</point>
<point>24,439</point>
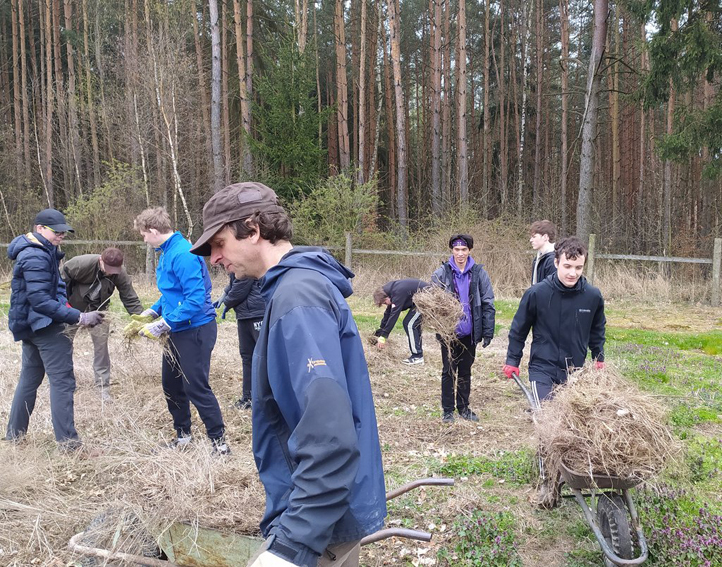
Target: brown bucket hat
<point>233,203</point>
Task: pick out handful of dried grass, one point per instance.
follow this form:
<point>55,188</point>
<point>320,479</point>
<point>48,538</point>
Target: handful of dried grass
<point>599,423</point>
<point>441,311</point>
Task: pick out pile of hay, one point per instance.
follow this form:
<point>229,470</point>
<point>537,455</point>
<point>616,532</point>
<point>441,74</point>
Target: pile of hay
<point>599,423</point>
<point>441,311</point>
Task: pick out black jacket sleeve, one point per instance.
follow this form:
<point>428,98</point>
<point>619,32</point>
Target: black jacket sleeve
<point>522,323</point>
<point>391,315</point>
<point>237,291</point>
<point>597,332</point>
<point>488,311</point>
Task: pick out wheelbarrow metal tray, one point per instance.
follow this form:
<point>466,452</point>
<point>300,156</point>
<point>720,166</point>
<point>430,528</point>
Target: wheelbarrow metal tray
<point>193,546</point>
<point>575,479</point>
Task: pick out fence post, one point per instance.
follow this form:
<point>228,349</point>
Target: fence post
<point>590,258</point>
<point>716,262</point>
<point>347,259</point>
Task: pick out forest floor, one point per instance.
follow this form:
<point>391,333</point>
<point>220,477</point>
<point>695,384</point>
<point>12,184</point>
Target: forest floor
<point>673,351</point>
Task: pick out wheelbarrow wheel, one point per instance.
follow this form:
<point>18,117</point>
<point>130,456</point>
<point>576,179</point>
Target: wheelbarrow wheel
<point>614,524</point>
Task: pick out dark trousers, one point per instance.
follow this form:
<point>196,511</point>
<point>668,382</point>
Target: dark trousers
<point>456,371</point>
<point>49,351</point>
<point>186,366</point>
<point>248,331</point>
<point>412,326</point>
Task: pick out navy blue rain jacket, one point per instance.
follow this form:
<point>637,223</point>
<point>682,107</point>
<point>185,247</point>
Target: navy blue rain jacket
<point>38,294</point>
<point>315,439</point>
<point>567,322</point>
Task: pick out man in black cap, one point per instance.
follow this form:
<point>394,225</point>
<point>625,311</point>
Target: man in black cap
<point>38,316</point>
<point>314,425</point>
<point>470,284</point>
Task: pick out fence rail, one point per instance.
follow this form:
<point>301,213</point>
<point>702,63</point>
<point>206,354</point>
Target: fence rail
<point>349,250</point>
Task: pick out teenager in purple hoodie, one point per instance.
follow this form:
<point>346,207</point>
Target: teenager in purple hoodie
<point>471,285</point>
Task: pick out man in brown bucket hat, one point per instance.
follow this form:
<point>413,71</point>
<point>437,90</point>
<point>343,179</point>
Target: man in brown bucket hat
<point>314,426</point>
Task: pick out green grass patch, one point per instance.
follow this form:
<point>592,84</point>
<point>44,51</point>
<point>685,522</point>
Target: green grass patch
<point>709,342</point>
<point>516,467</point>
<point>484,540</point>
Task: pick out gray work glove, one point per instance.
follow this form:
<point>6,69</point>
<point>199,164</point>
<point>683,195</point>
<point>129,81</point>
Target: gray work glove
<point>218,302</point>
<point>149,313</point>
<point>91,319</point>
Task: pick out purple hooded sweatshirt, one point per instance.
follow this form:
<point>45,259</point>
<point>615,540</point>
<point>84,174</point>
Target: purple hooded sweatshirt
<point>462,281</point>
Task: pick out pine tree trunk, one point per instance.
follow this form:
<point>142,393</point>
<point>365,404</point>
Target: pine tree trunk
<point>503,121</point>
<point>536,188</point>
<point>301,10</point>
<point>17,100</point>
<point>361,164</point>
<point>668,180</point>
<point>202,86</point>
<point>589,122</point>
<point>73,133</point>
<point>218,170</point>
<point>342,88</point>
<point>390,132</point>
<point>241,60</point>
<point>49,108</point>
<point>395,41</point>
<point>225,99</point>
<point>564,16</point>
<point>462,144</point>
<point>435,17</point>
<point>446,158</point>
<point>524,38</point>
<point>486,158</point>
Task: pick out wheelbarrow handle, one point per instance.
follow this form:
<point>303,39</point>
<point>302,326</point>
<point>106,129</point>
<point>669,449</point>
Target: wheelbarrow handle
<point>527,393</point>
<point>398,532</point>
<point>391,494</point>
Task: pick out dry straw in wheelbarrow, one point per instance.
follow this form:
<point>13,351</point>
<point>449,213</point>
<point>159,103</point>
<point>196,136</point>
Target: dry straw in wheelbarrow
<point>441,311</point>
<point>601,424</point>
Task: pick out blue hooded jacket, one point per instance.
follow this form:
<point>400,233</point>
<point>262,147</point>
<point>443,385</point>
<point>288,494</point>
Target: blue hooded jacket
<point>315,439</point>
<point>184,284</point>
<point>38,294</point>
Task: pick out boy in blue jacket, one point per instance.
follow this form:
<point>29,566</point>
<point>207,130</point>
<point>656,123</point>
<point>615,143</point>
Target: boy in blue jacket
<point>186,313</point>
<point>314,426</point>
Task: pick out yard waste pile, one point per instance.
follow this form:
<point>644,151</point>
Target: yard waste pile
<point>601,424</point>
<point>441,311</point>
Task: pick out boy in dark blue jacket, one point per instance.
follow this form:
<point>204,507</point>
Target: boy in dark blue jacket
<point>398,296</point>
<point>243,295</point>
<point>314,426</point>
<point>38,317</point>
<point>186,313</point>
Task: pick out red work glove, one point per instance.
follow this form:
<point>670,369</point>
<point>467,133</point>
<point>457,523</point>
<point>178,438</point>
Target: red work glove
<point>509,370</point>
<point>599,365</point>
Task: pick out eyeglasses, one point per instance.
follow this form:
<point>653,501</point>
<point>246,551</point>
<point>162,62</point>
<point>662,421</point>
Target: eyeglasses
<point>58,232</point>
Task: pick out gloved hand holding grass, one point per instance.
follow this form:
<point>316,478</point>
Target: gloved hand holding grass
<point>155,329</point>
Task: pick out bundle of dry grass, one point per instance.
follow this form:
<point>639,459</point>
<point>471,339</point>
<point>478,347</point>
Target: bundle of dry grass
<point>441,311</point>
<point>599,423</point>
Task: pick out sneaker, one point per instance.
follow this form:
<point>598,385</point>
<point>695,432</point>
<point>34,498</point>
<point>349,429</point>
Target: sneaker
<point>180,442</point>
<point>469,415</point>
<point>448,417</point>
<point>243,404</point>
<point>220,447</point>
<point>413,360</point>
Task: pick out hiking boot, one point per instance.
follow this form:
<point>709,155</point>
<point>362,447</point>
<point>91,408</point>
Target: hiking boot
<point>448,417</point>
<point>181,442</point>
<point>220,447</point>
<point>413,360</point>
<point>243,404</point>
<point>468,415</point>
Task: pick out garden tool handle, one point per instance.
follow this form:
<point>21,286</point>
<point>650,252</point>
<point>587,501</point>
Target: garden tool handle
<point>527,393</point>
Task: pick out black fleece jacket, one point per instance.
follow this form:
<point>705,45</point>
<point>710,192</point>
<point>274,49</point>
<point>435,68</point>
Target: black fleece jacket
<point>567,323</point>
<point>401,293</point>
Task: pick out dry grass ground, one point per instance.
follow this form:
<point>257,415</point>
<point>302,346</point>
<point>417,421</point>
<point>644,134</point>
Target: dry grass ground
<point>47,496</point>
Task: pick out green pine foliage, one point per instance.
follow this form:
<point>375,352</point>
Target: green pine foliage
<point>687,57</point>
<point>287,120</point>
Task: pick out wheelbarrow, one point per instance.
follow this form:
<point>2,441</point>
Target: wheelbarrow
<point>186,545</point>
<point>610,520</point>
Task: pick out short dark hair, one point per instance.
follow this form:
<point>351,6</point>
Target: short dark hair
<point>571,247</point>
<point>379,297</point>
<point>273,226</point>
<point>465,237</point>
<point>112,257</point>
<point>544,227</point>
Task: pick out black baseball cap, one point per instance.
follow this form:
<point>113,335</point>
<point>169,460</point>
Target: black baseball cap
<point>233,203</point>
<point>53,219</point>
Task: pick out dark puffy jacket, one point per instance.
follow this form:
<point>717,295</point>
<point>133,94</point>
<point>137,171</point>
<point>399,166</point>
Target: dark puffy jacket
<point>544,267</point>
<point>244,297</point>
<point>401,293</point>
<point>481,298</point>
<point>89,288</point>
<point>38,294</point>
<point>567,323</point>
<point>314,425</point>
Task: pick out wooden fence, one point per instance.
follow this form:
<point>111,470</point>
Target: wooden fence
<point>593,256</point>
